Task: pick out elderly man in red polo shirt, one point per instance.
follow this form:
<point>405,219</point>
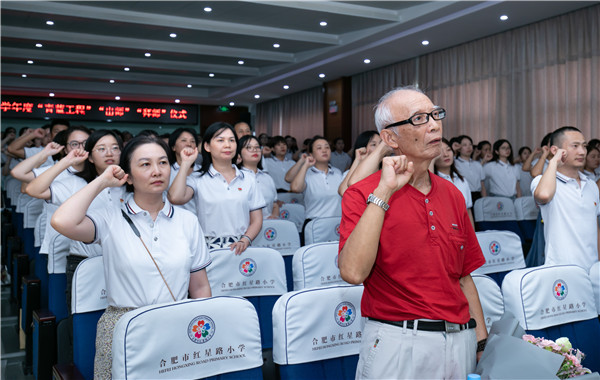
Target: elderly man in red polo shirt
<point>406,235</point>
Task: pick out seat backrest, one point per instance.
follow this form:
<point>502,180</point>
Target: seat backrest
<point>494,209</point>
<point>490,296</point>
<point>546,296</point>
<point>316,265</point>
<point>502,251</point>
<point>188,339</point>
<point>322,230</point>
<point>256,272</point>
<point>317,324</point>
<point>526,209</point>
<point>294,212</point>
<point>280,235</point>
<point>88,301</point>
<point>595,278</point>
<point>295,198</point>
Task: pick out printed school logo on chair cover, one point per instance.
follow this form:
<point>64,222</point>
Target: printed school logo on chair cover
<point>284,214</point>
<point>201,329</point>
<point>247,267</point>
<point>270,233</point>
<point>560,289</point>
<point>337,229</point>
<point>495,248</point>
<point>294,200</point>
<point>500,206</point>
<point>345,314</point>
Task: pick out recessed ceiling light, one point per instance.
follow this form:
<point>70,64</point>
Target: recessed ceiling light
<point>51,94</point>
<point>256,96</point>
<point>367,60</point>
<point>177,100</point>
<point>173,35</point>
<point>49,22</point>
<point>285,87</point>
<point>24,75</point>
<point>30,62</point>
<point>323,23</point>
<point>148,55</point>
<point>112,81</point>
<point>38,45</point>
<point>276,46</point>
<point>321,75</point>
<point>211,75</point>
<point>117,98</point>
<point>424,42</point>
<point>504,17</point>
<point>126,68</point>
<point>240,62</point>
<point>231,104</point>
<point>189,86</point>
<point>207,9</point>
<point>109,120</point>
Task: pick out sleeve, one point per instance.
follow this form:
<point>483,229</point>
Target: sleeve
<point>60,191</point>
<point>101,218</point>
<point>534,183</point>
<point>200,256</point>
<point>255,199</point>
<point>354,204</point>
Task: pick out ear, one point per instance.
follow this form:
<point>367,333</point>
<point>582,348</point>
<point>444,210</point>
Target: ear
<point>129,180</point>
<point>206,147</point>
<point>553,149</point>
<point>390,139</point>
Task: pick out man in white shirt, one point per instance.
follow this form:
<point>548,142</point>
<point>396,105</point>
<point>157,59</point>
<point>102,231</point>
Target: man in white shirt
<point>569,202</point>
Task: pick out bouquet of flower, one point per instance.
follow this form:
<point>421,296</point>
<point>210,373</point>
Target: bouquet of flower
<point>571,365</point>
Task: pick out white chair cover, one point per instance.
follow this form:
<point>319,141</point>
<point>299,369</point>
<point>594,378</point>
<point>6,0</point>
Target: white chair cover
<point>280,235</point>
<point>294,212</point>
<point>188,339</point>
<point>316,265</point>
<point>322,230</point>
<point>256,272</point>
<point>502,251</point>
<point>595,278</point>
<point>89,287</point>
<point>494,209</point>
<point>317,324</point>
<point>547,296</point>
<point>526,209</point>
<point>490,297</point>
<point>295,198</point>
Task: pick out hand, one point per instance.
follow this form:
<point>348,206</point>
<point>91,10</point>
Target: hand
<point>559,157</point>
<point>360,154</point>
<point>279,203</point>
<point>39,133</point>
<point>396,171</point>
<point>240,246</point>
<point>303,157</point>
<point>76,156</point>
<point>189,155</point>
<point>113,176</point>
<point>487,158</point>
<point>310,161</point>
<point>52,148</point>
<point>537,152</point>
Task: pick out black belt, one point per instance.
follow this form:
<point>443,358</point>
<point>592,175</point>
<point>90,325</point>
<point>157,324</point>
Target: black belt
<point>448,327</point>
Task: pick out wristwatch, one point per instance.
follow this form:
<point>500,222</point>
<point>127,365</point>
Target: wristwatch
<point>378,202</point>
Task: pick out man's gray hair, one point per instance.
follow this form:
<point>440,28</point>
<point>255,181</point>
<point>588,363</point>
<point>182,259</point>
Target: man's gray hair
<point>383,114</point>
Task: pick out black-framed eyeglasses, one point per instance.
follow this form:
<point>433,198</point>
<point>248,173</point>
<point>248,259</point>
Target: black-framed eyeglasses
<point>421,118</point>
<point>76,144</point>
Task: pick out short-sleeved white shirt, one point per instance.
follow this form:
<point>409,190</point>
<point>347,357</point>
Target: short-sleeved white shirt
<point>592,176</point>
<point>174,239</point>
<point>535,161</point>
<point>524,180</point>
<point>223,209</point>
<point>461,185</point>
<point>321,198</point>
<point>341,161</point>
<point>503,178</point>
<point>31,151</point>
<point>570,221</point>
<point>266,186</point>
<point>277,169</point>
<point>191,204</point>
<point>472,171</point>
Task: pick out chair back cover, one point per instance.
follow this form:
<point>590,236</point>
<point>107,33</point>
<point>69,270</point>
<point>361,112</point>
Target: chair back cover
<point>188,339</point>
<point>256,272</point>
<point>502,251</point>
<point>280,235</point>
<point>89,287</point>
<point>526,209</point>
<point>547,296</point>
<point>316,265</point>
<point>322,230</point>
<point>317,324</point>
<point>294,212</point>
<point>294,198</point>
<point>490,297</point>
<point>494,209</point>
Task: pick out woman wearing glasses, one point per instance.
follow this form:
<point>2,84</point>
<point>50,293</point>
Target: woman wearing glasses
<point>228,203</point>
<point>250,152</point>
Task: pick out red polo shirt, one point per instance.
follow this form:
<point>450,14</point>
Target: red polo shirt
<point>427,244</point>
